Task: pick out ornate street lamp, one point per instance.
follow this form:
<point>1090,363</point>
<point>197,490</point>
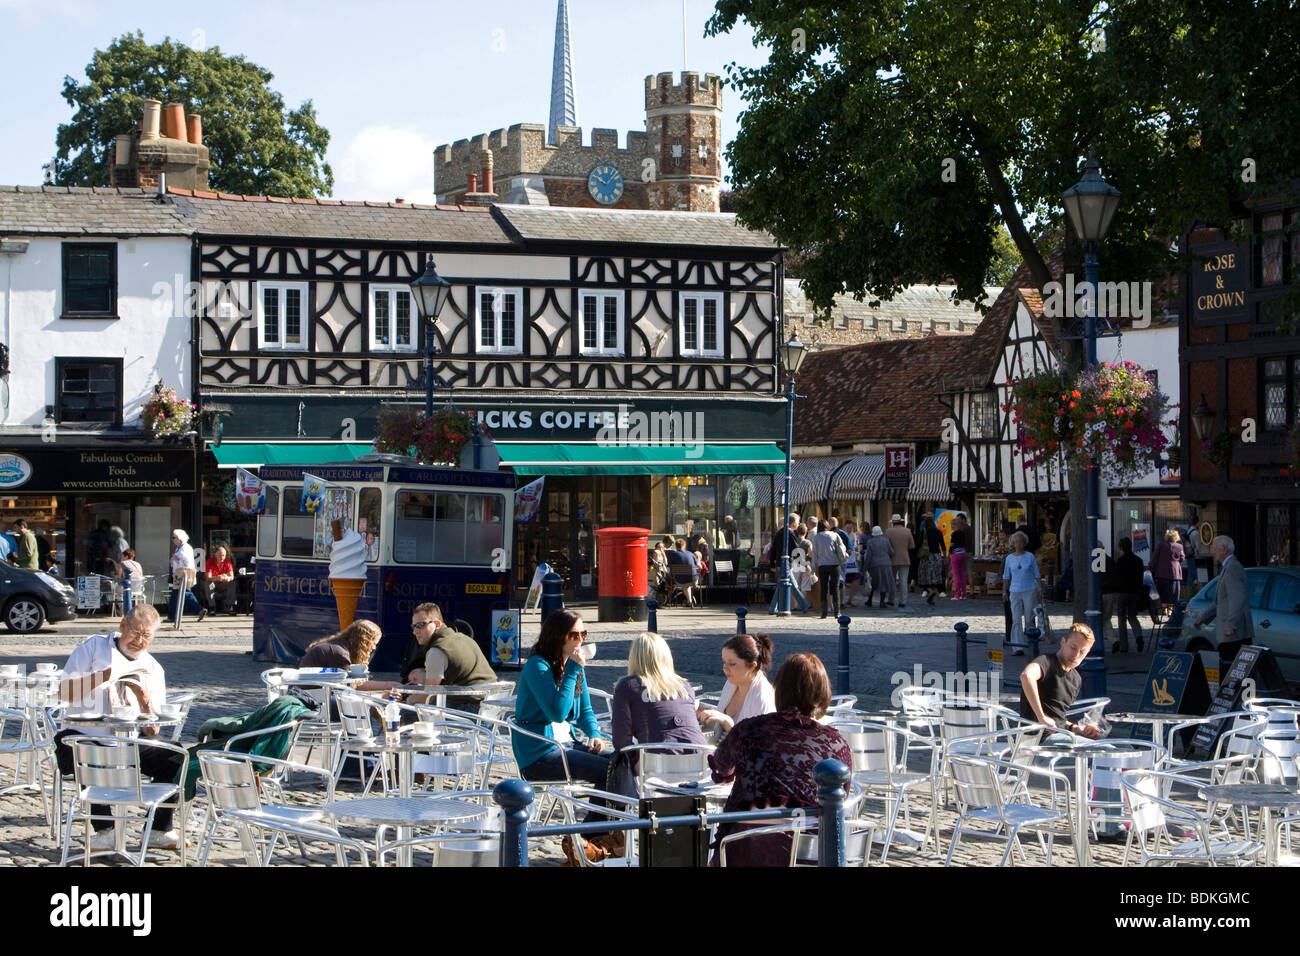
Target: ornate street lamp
<point>791,354</point>
<point>429,293</point>
<point>1203,420</point>
<point>1090,205</point>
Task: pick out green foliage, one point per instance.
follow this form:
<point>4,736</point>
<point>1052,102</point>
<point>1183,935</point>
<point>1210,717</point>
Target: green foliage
<point>844,143</point>
<point>1005,259</point>
<point>256,145</point>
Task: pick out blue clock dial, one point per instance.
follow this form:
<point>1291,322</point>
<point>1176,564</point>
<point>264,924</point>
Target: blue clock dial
<point>605,184</point>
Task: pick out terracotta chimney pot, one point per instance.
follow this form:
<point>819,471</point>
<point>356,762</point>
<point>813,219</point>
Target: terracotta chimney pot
<point>194,127</point>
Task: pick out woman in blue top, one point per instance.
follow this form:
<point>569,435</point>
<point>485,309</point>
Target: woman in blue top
<point>552,698</point>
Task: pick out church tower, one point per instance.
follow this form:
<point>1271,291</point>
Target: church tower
<point>684,127</point>
<point>564,111</point>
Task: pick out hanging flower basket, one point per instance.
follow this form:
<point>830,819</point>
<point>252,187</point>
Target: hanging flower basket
<point>1218,450</point>
<point>1109,417</point>
<point>165,415</point>
<point>436,441</point>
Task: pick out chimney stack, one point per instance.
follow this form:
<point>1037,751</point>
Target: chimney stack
<point>149,122</point>
<point>173,122</point>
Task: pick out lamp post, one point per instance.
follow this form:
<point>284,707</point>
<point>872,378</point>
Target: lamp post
<point>1090,204</point>
<point>792,355</point>
<point>429,292</point>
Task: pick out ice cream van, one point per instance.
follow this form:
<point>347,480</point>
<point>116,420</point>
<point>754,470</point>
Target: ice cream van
<point>408,533</point>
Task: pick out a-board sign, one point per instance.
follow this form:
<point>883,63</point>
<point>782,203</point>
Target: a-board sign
<point>505,638</point>
<point>1253,662</point>
<point>533,601</point>
<point>1175,684</point>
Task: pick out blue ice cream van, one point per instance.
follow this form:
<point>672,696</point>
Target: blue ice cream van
<point>437,534</point>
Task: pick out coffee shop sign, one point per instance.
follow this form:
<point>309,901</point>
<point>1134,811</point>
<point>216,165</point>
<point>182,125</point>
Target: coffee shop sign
<point>14,471</point>
<point>614,427</point>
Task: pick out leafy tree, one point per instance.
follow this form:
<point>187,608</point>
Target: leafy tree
<point>914,127</point>
<point>888,140</point>
<point>1005,259</point>
<point>256,146</point>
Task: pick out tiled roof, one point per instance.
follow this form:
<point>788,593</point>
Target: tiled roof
<point>876,391</point>
<point>630,227</point>
<point>225,214</point>
<point>87,211</point>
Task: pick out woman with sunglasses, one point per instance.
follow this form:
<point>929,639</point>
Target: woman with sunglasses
<point>552,701</point>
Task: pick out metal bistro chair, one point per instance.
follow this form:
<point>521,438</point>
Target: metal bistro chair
<point>804,849</point>
<point>671,763</point>
<point>354,711</point>
<point>107,771</point>
<point>232,782</point>
<point>1166,805</point>
<point>880,769</point>
<point>996,792</point>
<point>581,797</point>
<point>543,787</point>
<point>28,738</point>
<point>471,845</point>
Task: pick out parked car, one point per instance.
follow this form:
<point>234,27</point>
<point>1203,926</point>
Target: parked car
<point>1274,608</point>
<point>30,598</point>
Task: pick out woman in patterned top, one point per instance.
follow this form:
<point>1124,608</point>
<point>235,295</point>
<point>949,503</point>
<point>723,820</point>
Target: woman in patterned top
<point>770,758</point>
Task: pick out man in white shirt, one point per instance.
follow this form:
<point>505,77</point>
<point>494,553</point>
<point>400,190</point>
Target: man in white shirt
<point>107,670</point>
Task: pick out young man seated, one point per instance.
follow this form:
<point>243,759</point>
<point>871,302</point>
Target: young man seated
<point>1051,682</point>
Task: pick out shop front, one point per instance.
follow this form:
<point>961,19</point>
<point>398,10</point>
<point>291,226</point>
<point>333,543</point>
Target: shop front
<point>87,502</point>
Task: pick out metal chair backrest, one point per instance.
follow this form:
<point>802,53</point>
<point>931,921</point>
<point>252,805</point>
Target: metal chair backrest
<point>354,714</point>
<point>1277,757</point>
<point>963,720</point>
<point>921,701</point>
<point>689,762</point>
<point>976,782</point>
<point>231,784</point>
<point>871,744</point>
<point>107,763</point>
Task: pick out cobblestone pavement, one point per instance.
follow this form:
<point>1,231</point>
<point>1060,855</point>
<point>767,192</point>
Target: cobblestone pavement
<point>887,646</point>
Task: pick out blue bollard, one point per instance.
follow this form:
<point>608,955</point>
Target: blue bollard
<point>832,777</point>
<point>127,597</point>
<point>652,622</point>
<point>842,668</point>
<point>740,619</point>
<point>514,797</point>
<point>1034,635</point>
<point>961,627</point>
<point>552,594</point>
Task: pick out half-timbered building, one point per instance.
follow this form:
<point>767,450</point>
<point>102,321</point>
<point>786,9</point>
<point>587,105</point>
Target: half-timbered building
<point>1240,356</point>
<point>628,357</point>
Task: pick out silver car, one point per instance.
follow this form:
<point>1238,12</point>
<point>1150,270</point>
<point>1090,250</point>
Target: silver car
<point>1274,609</point>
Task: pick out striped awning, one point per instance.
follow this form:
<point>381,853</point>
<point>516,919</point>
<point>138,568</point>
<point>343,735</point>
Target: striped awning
<point>808,477</point>
<point>930,480</point>
<point>857,478</point>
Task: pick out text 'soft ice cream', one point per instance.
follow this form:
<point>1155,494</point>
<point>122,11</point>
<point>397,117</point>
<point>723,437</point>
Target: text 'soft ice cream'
<point>348,558</point>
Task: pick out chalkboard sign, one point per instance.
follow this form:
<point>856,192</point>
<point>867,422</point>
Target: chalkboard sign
<point>1253,661</point>
<point>1175,684</point>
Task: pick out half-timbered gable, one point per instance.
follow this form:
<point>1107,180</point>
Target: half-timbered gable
<point>314,297</point>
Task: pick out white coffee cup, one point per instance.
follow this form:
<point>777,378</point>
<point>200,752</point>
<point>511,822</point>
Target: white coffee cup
<point>46,668</point>
<point>586,652</point>
<point>424,730</point>
<point>169,710</point>
<point>122,711</point>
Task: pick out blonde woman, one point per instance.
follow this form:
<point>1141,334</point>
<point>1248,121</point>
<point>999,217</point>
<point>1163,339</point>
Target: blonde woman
<point>653,704</point>
<point>355,644</point>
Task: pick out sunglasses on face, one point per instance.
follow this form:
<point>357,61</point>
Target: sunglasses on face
<point>581,634</point>
<point>416,625</point>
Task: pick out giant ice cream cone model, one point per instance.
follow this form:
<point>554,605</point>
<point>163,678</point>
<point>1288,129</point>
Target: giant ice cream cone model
<point>347,571</point>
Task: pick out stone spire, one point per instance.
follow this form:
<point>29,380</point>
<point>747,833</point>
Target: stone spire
<point>563,110</point>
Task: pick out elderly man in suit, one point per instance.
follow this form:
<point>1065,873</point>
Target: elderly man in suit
<point>1231,602</point>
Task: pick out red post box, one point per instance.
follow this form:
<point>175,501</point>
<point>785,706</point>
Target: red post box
<point>622,581</point>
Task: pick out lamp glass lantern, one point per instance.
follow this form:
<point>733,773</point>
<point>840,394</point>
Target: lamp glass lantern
<point>430,291</point>
<point>1091,203</point>
<point>1203,420</point>
<point>792,354</point>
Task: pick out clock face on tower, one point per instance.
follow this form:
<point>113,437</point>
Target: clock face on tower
<point>605,183</point>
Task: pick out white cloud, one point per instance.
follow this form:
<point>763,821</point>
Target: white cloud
<point>382,163</point>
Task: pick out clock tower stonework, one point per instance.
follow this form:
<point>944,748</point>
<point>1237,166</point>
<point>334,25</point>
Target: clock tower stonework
<point>673,166</point>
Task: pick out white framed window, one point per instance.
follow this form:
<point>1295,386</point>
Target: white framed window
<point>600,316</point>
<point>282,315</point>
<point>392,318</point>
<point>498,322</point>
<point>699,324</point>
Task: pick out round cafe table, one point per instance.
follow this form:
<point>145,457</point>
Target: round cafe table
<point>1264,797</point>
<point>1159,722</point>
<point>404,813</point>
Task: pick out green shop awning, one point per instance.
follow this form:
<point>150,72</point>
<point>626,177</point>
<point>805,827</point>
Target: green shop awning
<point>233,454</point>
<point>583,459</point>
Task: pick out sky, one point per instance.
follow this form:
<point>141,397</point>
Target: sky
<point>390,79</point>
